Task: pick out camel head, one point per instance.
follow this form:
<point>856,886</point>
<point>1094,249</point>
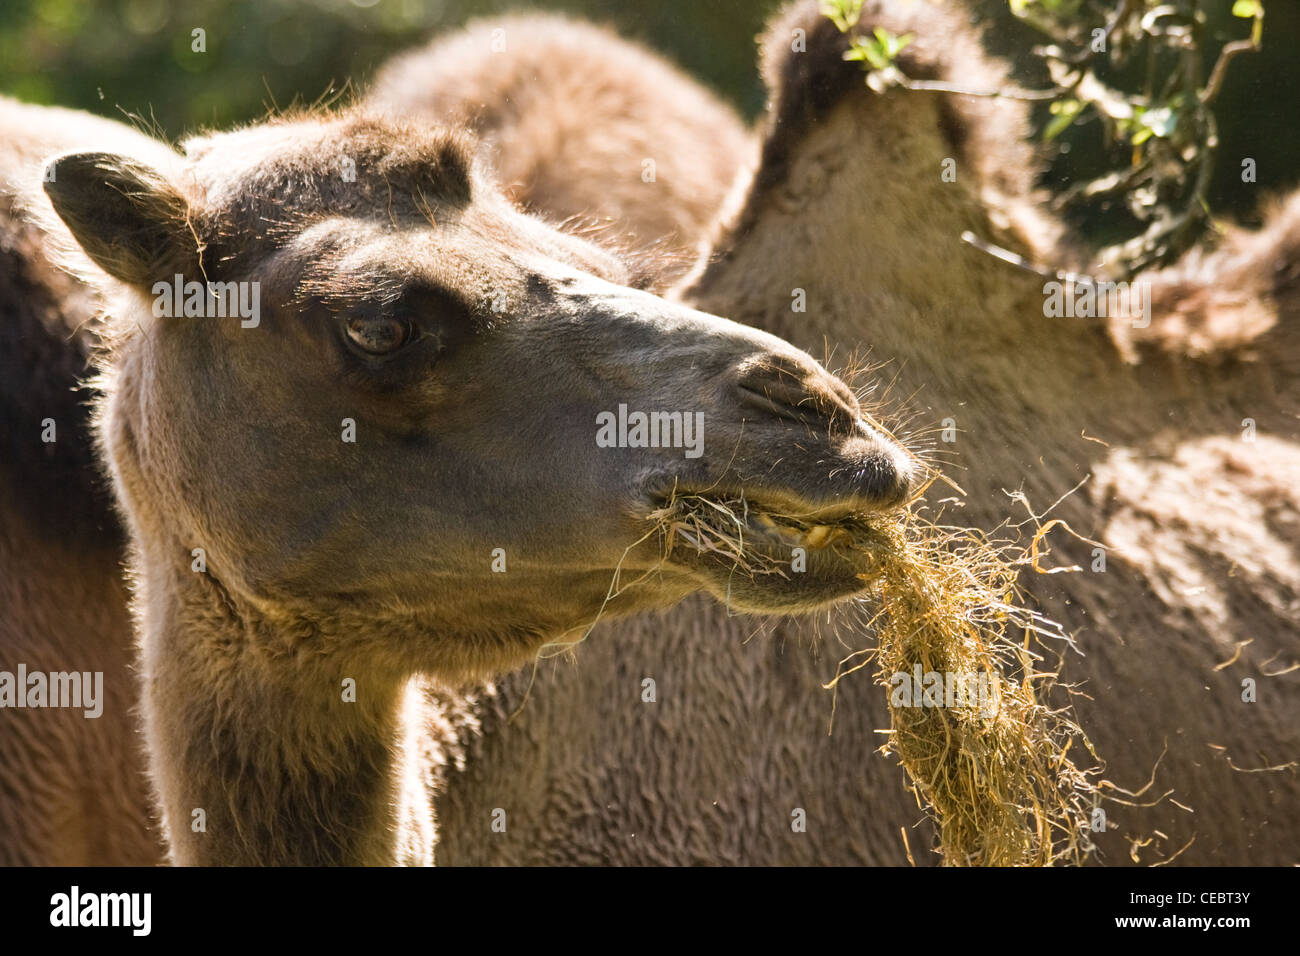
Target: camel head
<point>379,398</point>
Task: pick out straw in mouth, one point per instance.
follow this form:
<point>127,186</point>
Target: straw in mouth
<point>755,537</point>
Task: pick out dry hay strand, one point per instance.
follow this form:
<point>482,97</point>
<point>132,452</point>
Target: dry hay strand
<point>1009,780</point>
<point>712,526</point>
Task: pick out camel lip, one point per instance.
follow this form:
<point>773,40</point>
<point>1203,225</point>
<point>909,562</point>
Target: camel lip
<point>760,555</point>
<point>771,525</point>
<point>782,506</point>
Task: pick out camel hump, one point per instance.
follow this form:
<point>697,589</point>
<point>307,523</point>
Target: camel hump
<point>1237,299</point>
<point>581,126</point>
<point>1229,299</point>
<point>986,139</point>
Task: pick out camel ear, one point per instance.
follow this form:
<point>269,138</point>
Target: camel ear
<point>127,216</point>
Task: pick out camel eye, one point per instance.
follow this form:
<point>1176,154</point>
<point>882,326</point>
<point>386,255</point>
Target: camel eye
<point>378,336</point>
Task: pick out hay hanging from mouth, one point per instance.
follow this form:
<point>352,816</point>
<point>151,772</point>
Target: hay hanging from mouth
<point>993,767</point>
<point>987,758</point>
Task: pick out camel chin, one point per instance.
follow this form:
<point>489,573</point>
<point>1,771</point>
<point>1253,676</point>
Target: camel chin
<point>833,581</point>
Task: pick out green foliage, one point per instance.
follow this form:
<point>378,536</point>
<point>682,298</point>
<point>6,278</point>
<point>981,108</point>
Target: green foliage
<point>879,52</point>
<point>843,13</point>
<point>1248,9</point>
<point>1064,113</point>
<point>1139,67</point>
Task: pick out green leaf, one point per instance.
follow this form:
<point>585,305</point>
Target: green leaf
<point>867,51</point>
<point>877,59</point>
<point>890,44</point>
<point>1064,113</point>
<point>879,53</point>
<point>1247,9</point>
<point>843,13</point>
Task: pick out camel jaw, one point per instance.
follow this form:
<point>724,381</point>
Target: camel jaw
<point>771,554</point>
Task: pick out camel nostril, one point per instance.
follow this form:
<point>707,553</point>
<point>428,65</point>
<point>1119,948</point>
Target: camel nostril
<point>799,390</point>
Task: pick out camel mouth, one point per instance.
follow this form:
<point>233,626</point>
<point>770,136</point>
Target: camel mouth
<point>772,553</point>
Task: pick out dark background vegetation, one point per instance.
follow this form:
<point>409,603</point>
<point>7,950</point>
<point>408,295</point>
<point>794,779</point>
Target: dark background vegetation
<point>117,57</point>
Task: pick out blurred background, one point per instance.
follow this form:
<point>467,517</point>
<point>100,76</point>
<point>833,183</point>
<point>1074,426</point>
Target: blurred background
<point>116,57</point>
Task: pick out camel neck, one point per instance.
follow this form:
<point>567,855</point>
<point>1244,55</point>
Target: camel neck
<point>266,749</point>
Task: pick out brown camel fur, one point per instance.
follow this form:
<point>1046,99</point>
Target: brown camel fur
<point>295,587</point>
<point>72,789</point>
<point>572,116</point>
<point>1199,523</point>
